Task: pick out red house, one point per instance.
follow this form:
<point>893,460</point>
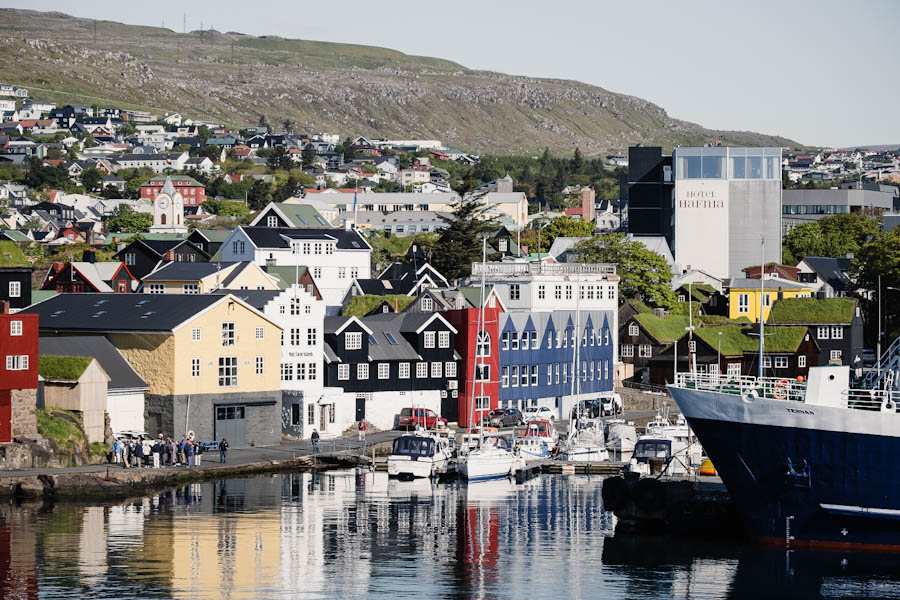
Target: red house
<point>191,190</point>
<point>18,371</point>
<point>487,383</point>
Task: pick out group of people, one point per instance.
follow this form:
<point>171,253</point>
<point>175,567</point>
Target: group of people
<point>164,452</point>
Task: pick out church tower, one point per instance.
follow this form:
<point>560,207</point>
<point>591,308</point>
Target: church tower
<point>168,211</point>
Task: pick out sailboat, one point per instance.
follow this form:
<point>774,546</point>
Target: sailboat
<point>584,439</point>
<point>493,457</point>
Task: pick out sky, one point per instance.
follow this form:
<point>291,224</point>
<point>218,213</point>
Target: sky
<point>822,73</point>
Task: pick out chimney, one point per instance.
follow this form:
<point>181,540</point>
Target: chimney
<point>659,312</point>
<point>4,307</point>
<point>57,267</point>
<point>396,305</point>
<point>89,256</point>
<point>780,293</point>
<point>169,256</point>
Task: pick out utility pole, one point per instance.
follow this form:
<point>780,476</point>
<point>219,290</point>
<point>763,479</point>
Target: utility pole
<point>184,23</point>
<point>95,33</point>
<point>232,53</point>
<point>201,31</point>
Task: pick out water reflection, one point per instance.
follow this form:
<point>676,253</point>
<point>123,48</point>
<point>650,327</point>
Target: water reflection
<point>359,535</point>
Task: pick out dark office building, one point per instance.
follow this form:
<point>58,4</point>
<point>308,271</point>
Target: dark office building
<point>648,193</point>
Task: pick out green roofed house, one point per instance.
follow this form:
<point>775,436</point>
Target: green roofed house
<point>710,300</point>
<point>77,383</point>
<point>644,333</point>
<point>733,351</point>
<point>290,214</point>
<point>15,276</point>
<point>834,323</point>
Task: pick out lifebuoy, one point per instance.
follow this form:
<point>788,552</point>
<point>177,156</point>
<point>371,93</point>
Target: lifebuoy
<point>781,389</point>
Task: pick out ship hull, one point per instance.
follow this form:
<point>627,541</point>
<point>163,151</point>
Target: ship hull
<point>801,474</point>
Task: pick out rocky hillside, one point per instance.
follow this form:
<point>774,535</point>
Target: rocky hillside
<point>234,79</point>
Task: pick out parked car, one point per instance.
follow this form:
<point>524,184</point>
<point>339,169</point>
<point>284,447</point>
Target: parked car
<point>610,404</point>
<point>147,441</point>
<point>532,413</point>
<point>489,417</point>
<point>510,418</point>
<point>410,418</point>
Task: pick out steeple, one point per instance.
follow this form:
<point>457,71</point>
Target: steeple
<point>169,188</point>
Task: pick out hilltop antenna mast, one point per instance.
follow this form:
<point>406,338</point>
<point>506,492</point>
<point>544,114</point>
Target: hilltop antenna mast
<point>201,31</point>
<point>184,23</point>
<point>95,33</point>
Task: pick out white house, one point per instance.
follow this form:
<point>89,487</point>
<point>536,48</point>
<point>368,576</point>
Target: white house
<point>335,257</point>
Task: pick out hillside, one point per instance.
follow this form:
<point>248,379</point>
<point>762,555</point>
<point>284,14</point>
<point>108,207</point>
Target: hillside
<point>322,86</point>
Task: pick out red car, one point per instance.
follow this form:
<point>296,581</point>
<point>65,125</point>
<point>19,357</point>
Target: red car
<point>410,418</point>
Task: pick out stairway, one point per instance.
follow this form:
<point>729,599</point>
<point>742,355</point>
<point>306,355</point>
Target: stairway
<point>890,363</point>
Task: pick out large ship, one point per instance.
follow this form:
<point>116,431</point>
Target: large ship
<point>809,463</point>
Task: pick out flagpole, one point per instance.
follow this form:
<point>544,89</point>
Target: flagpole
<point>355,207</point>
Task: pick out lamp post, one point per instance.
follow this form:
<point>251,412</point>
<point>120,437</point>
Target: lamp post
<point>719,357</point>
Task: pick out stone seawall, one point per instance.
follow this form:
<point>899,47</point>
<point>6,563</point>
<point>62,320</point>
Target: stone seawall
<point>636,400</point>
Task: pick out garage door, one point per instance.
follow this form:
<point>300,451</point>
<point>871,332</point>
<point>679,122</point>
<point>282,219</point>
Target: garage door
<point>230,425</point>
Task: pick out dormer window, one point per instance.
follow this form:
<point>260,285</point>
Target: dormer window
<point>353,340</point>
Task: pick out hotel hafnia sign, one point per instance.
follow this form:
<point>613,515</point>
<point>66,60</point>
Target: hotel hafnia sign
<point>701,225</point>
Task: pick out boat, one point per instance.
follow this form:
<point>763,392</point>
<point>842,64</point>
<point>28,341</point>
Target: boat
<point>539,440</point>
<point>492,457</point>
<point>808,463</point>
<point>421,454</point>
<point>673,444</point>
<point>585,440</point>
<point>620,439</point>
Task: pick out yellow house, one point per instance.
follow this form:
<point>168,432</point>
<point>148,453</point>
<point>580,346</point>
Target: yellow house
<point>212,362</point>
<point>744,296</point>
<point>204,277</point>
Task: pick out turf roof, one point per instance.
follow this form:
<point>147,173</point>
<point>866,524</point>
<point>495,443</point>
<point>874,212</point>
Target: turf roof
<point>69,368</point>
<point>12,256</point>
<point>360,306</point>
<point>813,310</point>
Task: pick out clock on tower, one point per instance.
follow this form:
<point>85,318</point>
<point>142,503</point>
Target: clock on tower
<point>168,210</point>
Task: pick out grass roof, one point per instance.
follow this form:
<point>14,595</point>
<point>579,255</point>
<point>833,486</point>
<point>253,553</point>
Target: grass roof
<point>360,306</point>
<point>813,310</point>
<point>737,340</point>
<point>12,256</point>
<point>62,367</point>
<point>665,330</point>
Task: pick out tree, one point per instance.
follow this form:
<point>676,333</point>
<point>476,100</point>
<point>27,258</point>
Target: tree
<point>643,273</point>
<point>279,159</point>
<point>32,224</point>
<point>835,236</point>
<point>124,218</point>
<point>577,161</point>
<point>287,190</point>
<point>879,257</point>
<point>564,226</point>
<point>226,208</point>
<point>203,133</point>
<point>263,122</point>
<point>288,126</point>
<point>259,195</point>
<point>91,179</point>
<point>460,243</point>
<point>309,156</point>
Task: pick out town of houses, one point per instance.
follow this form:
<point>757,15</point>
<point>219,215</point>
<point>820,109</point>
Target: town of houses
<point>282,327</point>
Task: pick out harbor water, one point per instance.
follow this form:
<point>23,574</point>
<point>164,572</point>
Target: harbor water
<point>361,535</point>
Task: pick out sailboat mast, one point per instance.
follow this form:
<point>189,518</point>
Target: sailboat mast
<point>478,327</point>
<point>762,298</point>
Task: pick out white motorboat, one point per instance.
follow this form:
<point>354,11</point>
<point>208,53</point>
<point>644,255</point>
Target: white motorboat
<point>585,441</point>
<point>492,459</point>
<point>420,454</point>
<point>672,443</point>
<point>538,441</point>
<point>620,439</point>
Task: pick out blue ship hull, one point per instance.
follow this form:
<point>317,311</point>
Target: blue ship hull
<point>802,486</point>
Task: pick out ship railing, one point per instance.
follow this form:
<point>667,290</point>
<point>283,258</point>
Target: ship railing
<point>776,388</point>
<point>872,400</point>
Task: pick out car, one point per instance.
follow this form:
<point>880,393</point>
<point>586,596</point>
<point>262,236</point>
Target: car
<point>532,413</point>
<point>509,418</point>
<point>610,404</point>
<point>488,418</point>
<point>410,418</point>
<point>147,441</point>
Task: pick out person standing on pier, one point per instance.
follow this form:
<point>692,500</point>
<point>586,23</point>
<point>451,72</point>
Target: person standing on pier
<point>181,450</point>
<point>137,453</point>
<point>189,453</point>
<point>223,451</point>
<point>198,453</point>
<point>116,449</point>
<point>314,438</point>
<point>363,426</point>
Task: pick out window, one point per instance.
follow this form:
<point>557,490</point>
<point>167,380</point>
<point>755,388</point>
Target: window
<point>534,340</point>
<point>295,306</point>
<point>781,362</point>
<point>568,292</point>
<point>515,376</point>
<point>17,362</point>
<point>645,351</point>
<point>295,336</point>
<point>633,329</point>
<point>822,332</point>
<point>443,339</point>
<point>523,344</point>
<point>504,376</point>
<point>837,333</point>
<point>801,361</point>
<point>195,334</point>
<point>15,328</point>
<point>306,246</point>
<point>343,372</point>
<point>311,336</point>
<point>228,334</point>
<point>514,292</point>
<point>260,333</point>
<point>542,292</point>
<point>534,375</point>
<point>605,370</point>
<point>556,374</point>
<point>436,370</point>
<point>342,272</point>
<point>428,339</point>
<point>482,372</point>
<point>271,221</point>
<point>421,370</point>
<point>384,370</point>
<point>483,344</point>
<point>310,414</point>
<point>15,289</point>
<point>504,340</point>
<point>227,371</point>
<point>626,350</point>
<point>492,301</point>
<point>523,375</point>
<point>835,355</point>
<point>195,367</point>
<point>450,370</point>
<point>237,247</point>
<point>287,371</point>
<point>557,292</point>
<point>353,340</point>
<point>259,365</point>
<point>427,304</point>
<point>767,362</point>
<point>692,346</point>
<point>129,259</point>
<point>743,303</point>
<point>514,336</point>
<point>403,371</point>
<point>156,288</point>
<point>312,371</point>
<point>317,272</point>
<point>329,248</point>
<point>681,298</point>
<point>482,402</point>
<point>295,414</point>
<point>362,371</point>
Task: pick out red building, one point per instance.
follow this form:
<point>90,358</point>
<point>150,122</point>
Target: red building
<point>191,190</point>
<point>487,385</point>
<point>18,369</point>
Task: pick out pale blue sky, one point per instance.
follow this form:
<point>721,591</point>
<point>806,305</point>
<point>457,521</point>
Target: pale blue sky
<point>824,72</point>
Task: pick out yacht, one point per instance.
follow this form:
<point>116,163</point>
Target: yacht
<point>493,458</point>
<point>585,440</point>
<point>539,440</point>
<point>671,443</point>
<point>421,454</point>
<point>621,437</point>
